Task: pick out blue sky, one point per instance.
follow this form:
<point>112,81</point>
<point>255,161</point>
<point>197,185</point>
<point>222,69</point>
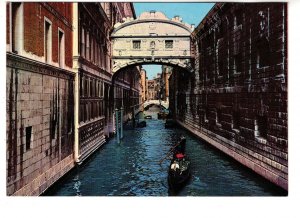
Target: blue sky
<point>191,13</point>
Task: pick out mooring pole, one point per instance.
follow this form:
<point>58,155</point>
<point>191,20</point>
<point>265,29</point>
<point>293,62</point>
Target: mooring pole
<point>117,126</point>
<point>121,121</point>
<point>133,118</point>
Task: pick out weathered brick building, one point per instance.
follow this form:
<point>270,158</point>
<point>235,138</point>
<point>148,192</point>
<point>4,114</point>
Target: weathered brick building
<point>39,93</point>
<point>237,98</point>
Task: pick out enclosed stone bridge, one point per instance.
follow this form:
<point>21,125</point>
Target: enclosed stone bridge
<point>152,39</point>
<point>164,104</point>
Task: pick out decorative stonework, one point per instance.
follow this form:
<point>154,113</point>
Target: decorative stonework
<point>152,38</point>
<point>19,62</point>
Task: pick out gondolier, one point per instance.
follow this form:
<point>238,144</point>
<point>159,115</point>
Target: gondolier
<point>179,169</point>
<point>180,147</point>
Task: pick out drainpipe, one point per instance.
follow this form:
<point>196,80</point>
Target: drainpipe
<point>76,90</point>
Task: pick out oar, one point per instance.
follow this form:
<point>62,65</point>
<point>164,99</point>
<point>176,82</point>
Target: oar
<point>167,155</point>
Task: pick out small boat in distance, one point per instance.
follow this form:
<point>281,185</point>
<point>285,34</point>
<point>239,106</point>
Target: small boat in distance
<point>148,117</point>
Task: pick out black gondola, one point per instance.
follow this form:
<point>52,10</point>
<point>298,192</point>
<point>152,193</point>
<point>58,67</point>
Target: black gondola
<point>179,169</point>
<point>179,172</point>
<point>148,117</point>
<point>141,124</point>
<point>170,123</point>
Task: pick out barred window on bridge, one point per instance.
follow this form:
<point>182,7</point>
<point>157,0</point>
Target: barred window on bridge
<point>136,44</point>
<point>169,44</point>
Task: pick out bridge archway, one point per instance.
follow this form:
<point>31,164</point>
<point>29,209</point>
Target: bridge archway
<point>162,104</point>
<point>152,39</point>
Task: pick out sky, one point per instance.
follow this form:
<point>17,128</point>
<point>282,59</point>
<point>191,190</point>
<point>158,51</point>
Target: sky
<point>191,13</point>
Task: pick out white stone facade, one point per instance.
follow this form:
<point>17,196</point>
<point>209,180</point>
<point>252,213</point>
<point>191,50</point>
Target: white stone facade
<point>152,38</point>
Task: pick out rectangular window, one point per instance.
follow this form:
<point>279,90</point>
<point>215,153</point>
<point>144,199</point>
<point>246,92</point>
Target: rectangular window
<point>70,111</point>
<point>261,126</point>
<point>82,43</point>
<point>221,67</point>
<point>101,89</point>
<point>87,44</point>
<point>28,137</point>
<point>136,44</point>
<point>47,41</point>
<point>206,115</point>
<point>169,44</point>
<point>237,63</point>
<point>235,120</point>
<point>61,49</point>
<point>16,26</point>
<point>86,87</point>
<point>81,85</point>
<point>218,116</point>
<point>238,19</point>
<point>91,88</point>
<point>81,112</point>
<point>87,112</point>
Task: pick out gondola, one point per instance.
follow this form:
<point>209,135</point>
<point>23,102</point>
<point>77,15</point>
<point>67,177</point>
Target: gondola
<point>141,124</point>
<point>179,172</point>
<point>170,123</point>
<point>148,117</point>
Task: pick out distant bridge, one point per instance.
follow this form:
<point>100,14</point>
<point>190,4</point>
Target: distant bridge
<point>165,104</point>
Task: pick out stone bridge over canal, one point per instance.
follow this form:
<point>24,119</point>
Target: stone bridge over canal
<point>152,39</point>
<point>164,104</point>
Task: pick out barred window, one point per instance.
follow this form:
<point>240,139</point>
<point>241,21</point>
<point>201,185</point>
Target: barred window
<point>235,120</point>
<point>261,126</point>
<point>136,44</point>
<point>169,44</point>
<point>28,137</point>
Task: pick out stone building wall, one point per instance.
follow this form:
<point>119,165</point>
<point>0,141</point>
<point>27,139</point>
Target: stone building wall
<point>40,130</point>
<point>39,97</point>
<point>237,98</point>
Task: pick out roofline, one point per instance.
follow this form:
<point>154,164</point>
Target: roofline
<point>152,20</point>
<point>209,14</point>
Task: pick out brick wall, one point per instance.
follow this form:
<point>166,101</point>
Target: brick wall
<point>40,125</point>
<point>60,14</point>
<point>237,99</point>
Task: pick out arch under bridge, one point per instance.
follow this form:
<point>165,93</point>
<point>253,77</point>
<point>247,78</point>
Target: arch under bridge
<point>164,104</point>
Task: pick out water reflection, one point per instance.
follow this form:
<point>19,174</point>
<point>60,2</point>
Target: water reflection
<point>77,185</point>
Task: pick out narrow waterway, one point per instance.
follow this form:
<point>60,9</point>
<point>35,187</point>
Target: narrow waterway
<point>132,169</point>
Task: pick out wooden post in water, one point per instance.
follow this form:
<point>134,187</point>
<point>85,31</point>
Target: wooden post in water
<point>133,118</point>
<point>121,121</point>
<point>117,126</point>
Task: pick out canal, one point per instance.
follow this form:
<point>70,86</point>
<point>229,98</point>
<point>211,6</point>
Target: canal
<point>132,168</point>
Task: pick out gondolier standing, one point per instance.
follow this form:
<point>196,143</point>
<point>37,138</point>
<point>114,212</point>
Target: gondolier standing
<point>180,148</point>
<point>179,170</point>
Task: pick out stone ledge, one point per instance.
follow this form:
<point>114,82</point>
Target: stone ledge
<point>46,179</point>
<point>266,173</point>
